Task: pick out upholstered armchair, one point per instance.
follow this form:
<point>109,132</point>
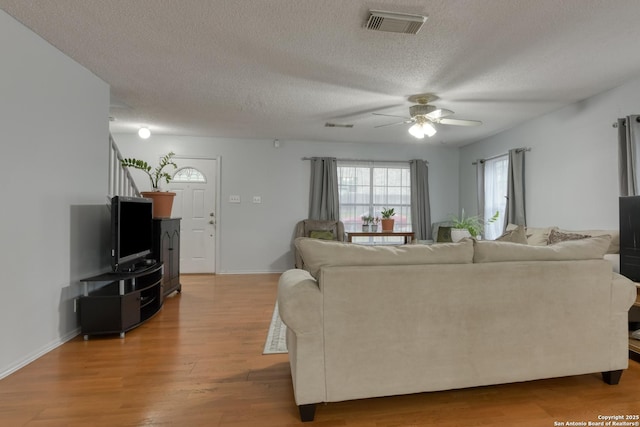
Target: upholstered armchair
<point>319,229</point>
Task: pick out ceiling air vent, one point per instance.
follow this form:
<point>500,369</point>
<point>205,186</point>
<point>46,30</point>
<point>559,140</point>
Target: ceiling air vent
<point>395,22</point>
<point>337,125</point>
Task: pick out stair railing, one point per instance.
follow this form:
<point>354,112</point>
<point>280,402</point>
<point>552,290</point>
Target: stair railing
<point>121,182</point>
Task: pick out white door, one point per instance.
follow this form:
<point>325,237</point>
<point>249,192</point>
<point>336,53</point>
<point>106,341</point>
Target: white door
<point>195,186</point>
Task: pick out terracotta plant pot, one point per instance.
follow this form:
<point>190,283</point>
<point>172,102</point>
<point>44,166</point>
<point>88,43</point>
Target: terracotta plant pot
<point>162,202</point>
<point>387,224</point>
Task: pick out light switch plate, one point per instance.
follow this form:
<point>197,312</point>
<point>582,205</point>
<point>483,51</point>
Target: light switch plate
<point>257,199</point>
<point>234,199</point>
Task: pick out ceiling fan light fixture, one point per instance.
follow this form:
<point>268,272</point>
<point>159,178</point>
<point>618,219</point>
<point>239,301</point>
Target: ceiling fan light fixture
<point>421,128</point>
<point>416,131</point>
<point>428,129</point>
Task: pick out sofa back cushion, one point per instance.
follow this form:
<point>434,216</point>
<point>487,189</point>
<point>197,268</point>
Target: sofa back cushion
<point>614,245</point>
<point>320,253</point>
<point>540,236</point>
<point>588,248</point>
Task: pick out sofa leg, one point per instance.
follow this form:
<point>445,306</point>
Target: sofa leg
<point>307,412</point>
<point>612,377</point>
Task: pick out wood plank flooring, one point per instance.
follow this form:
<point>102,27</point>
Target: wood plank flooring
<point>199,362</point>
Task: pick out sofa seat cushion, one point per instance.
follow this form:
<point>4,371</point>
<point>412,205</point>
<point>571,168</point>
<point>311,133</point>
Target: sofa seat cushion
<point>320,253</point>
<point>588,248</point>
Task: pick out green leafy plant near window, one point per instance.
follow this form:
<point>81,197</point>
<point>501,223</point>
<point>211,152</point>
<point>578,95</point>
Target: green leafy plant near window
<point>157,173</point>
<point>366,219</point>
<point>387,213</point>
<point>473,224</point>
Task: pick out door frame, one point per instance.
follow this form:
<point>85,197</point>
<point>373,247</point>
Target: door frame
<point>216,240</point>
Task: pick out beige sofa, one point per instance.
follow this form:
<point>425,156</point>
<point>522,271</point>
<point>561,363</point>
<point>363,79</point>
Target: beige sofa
<point>379,321</point>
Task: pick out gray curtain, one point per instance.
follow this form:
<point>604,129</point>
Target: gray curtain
<point>480,186</point>
<point>420,205</point>
<point>628,144</point>
<point>323,194</point>
<point>515,212</point>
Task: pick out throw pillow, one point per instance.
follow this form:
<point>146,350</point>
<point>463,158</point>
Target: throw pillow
<point>535,235</point>
<point>444,235</point>
<point>321,234</point>
<point>517,235</point>
<point>556,236</point>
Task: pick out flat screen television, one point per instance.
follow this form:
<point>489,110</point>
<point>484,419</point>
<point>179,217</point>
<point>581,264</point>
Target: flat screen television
<point>131,231</point>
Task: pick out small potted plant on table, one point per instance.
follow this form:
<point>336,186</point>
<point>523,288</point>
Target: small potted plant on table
<point>366,221</point>
<point>387,220</point>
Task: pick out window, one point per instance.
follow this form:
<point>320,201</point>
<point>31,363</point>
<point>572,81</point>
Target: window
<point>495,194</point>
<point>188,174</point>
<point>365,188</point>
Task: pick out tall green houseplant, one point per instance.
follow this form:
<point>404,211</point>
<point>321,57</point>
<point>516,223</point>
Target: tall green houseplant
<point>162,200</point>
<point>158,174</point>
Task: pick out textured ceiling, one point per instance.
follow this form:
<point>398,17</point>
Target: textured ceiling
<point>283,68</point>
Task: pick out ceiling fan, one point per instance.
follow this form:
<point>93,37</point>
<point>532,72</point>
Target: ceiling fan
<point>425,116</point>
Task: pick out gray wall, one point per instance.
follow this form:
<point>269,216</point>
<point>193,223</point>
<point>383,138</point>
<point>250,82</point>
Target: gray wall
<point>257,238</point>
<point>571,170</point>
<point>54,127</point>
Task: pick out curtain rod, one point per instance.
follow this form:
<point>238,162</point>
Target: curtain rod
<point>366,160</point>
<point>500,155</point>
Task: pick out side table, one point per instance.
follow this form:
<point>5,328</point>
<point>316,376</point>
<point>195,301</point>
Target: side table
<point>408,236</point>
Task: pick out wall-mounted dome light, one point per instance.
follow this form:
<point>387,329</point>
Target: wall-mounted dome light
<point>144,133</point>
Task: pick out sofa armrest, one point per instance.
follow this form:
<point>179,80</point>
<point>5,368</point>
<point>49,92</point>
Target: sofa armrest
<point>300,302</point>
<point>623,293</point>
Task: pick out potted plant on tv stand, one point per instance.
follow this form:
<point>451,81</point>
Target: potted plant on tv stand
<point>162,200</point>
<point>387,221</point>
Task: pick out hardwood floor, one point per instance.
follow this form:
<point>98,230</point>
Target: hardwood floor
<point>199,362</point>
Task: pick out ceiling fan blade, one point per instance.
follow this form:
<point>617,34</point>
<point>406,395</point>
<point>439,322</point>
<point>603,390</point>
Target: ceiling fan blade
<point>390,115</point>
<point>459,122</point>
<point>393,124</point>
<point>439,113</point>
<point>351,114</point>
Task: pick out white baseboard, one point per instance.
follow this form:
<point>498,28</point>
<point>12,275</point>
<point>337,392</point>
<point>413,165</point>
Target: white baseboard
<point>39,353</point>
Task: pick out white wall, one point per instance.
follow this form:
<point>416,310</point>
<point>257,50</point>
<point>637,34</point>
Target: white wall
<point>54,132</point>
<point>257,238</point>
<point>571,170</point>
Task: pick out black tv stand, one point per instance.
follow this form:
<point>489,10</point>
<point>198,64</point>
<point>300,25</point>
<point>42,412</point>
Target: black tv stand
<point>136,268</point>
<point>121,300</point>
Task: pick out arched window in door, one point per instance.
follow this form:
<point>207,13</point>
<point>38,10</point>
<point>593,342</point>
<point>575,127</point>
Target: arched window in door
<point>188,174</point>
